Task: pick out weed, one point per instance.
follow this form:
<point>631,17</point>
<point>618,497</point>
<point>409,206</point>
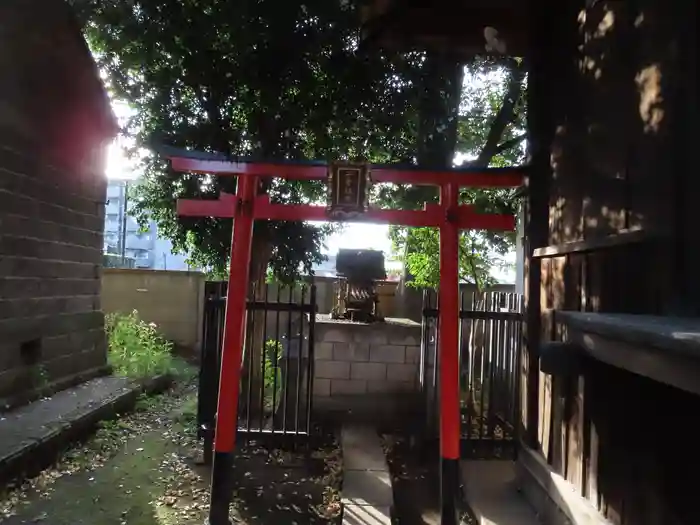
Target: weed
<point>146,402</point>
<point>136,349</point>
<point>39,376</point>
<point>273,373</point>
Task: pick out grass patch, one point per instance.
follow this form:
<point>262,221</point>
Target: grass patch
<point>119,473</point>
<point>136,349</point>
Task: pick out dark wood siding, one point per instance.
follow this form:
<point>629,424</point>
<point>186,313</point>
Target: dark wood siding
<point>622,238</point>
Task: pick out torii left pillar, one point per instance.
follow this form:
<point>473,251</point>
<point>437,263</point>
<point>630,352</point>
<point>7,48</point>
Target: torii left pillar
<point>234,333</point>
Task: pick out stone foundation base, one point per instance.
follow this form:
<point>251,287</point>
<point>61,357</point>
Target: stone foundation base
<point>367,372</point>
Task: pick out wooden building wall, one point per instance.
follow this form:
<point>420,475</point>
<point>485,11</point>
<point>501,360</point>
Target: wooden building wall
<point>622,198</point>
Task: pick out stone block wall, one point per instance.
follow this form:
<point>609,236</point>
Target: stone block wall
<point>50,257</point>
<point>366,368</point>
<point>52,193</point>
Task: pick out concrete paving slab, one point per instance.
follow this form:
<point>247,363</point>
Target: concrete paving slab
<point>367,487</point>
<point>364,515</point>
<point>367,494</point>
<point>491,491</point>
<point>362,449</point>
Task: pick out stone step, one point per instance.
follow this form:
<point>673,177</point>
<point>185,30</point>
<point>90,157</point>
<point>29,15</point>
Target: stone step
<point>33,434</point>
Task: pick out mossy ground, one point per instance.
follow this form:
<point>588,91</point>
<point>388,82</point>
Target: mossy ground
<point>142,470</point>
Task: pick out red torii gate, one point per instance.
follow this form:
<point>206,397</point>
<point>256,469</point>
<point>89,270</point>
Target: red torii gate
<point>246,206</point>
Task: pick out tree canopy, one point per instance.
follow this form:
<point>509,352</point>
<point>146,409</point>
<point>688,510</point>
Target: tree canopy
<point>271,79</point>
<point>266,79</point>
<point>488,131</point>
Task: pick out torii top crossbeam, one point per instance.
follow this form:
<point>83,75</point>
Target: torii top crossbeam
<point>397,174</point>
<point>432,215</point>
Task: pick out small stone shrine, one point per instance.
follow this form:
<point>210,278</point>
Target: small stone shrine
<point>365,366</point>
<point>356,297</point>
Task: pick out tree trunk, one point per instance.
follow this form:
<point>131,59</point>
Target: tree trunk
<point>254,345</point>
<point>442,79</point>
<point>254,362</point>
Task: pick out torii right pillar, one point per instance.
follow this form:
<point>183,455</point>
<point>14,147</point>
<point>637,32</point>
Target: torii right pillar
<point>448,362</point>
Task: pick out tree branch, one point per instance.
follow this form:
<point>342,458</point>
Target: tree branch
<point>505,115</point>
<point>510,143</point>
<point>472,265</point>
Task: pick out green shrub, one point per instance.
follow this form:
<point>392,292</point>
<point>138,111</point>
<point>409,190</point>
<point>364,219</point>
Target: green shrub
<point>273,373</point>
<point>136,349</point>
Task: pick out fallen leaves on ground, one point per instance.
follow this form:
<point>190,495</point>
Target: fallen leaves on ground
<point>151,412</point>
<point>143,467</point>
<point>331,479</point>
<point>414,480</point>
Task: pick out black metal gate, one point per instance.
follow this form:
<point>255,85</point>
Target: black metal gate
<point>276,390</point>
<point>490,344</point>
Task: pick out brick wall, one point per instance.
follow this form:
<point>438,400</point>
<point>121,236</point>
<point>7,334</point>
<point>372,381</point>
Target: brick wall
<point>51,206</point>
<point>366,368</point>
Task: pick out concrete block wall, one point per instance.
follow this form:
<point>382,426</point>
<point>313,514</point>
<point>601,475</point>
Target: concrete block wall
<point>365,368</point>
<point>173,300</point>
<point>50,257</point>
<point>52,192</point>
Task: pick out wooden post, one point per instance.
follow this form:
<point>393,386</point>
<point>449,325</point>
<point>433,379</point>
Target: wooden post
<point>551,59</point>
<point>540,135</point>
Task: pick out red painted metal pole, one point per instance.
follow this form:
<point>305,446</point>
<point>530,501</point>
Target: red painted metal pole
<point>448,360</point>
<point>232,352</point>
<point>432,215</point>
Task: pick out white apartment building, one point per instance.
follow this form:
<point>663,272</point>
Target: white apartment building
<point>146,248</point>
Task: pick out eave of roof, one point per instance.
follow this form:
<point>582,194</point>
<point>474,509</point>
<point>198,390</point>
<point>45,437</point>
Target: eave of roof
<point>446,25</point>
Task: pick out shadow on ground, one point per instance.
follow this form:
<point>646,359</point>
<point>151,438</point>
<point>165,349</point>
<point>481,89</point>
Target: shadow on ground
<point>152,478</point>
<point>415,473</point>
<point>285,486</point>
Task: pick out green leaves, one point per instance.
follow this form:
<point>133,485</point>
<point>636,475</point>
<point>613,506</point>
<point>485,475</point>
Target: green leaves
<point>267,79</point>
<point>271,79</point>
<point>136,349</point>
<point>477,258</point>
<point>489,130</point>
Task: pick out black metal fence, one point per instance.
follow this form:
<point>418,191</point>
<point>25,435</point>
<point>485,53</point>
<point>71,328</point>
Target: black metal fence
<point>490,343</point>
<point>276,390</point>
